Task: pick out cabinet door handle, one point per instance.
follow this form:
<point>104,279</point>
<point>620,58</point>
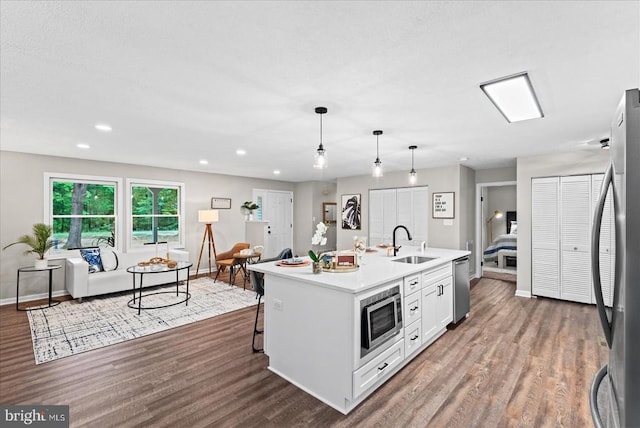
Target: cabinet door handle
<point>414,337</point>
<point>384,366</point>
<point>415,308</point>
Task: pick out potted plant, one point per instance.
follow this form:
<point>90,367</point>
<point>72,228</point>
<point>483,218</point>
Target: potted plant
<point>249,207</point>
<point>40,242</point>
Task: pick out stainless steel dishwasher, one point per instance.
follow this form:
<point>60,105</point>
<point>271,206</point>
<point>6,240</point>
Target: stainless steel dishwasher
<point>461,290</point>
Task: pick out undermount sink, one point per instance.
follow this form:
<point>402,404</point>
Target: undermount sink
<point>414,259</point>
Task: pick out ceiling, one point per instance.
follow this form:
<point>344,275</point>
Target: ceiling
<point>184,81</point>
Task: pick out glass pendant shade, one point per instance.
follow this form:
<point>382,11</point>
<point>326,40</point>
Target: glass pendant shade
<point>320,159</point>
<point>377,168</point>
<point>413,175</point>
<point>376,171</point>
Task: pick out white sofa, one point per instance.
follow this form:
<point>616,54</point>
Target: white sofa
<point>80,283</point>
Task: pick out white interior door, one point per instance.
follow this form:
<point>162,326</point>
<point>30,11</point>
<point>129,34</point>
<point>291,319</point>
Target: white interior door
<point>277,209</point>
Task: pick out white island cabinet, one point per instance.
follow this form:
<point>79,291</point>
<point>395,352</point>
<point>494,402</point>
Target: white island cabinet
<point>312,322</point>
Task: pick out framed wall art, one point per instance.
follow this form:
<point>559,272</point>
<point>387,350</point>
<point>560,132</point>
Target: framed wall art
<point>443,205</point>
<point>351,211</point>
<point>220,203</point>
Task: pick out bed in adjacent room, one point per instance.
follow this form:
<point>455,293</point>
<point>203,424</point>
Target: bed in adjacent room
<point>504,248</point>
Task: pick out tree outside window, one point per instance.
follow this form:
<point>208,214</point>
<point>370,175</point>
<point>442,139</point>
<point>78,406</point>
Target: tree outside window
<point>155,214</point>
<point>83,214</point>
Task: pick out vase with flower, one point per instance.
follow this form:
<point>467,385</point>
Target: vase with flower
<point>318,239</point>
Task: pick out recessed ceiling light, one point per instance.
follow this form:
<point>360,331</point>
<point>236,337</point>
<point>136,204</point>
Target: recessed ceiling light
<point>204,162</point>
<point>83,146</point>
<point>514,97</point>
<point>276,172</point>
<point>103,127</point>
<point>241,152</point>
<point>464,158</point>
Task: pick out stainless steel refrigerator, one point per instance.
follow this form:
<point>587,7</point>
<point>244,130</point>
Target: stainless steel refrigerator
<point>615,390</point>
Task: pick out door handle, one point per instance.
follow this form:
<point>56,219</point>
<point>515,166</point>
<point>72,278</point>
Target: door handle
<point>384,366</point>
<point>595,250</point>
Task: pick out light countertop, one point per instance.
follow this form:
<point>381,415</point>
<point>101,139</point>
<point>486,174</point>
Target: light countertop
<point>376,269</point>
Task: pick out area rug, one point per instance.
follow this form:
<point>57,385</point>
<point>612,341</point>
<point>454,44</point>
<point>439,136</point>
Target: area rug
<point>71,327</point>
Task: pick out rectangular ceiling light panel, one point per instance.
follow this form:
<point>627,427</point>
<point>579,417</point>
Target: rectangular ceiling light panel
<point>514,97</point>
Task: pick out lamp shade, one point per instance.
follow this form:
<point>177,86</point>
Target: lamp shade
<point>207,216</point>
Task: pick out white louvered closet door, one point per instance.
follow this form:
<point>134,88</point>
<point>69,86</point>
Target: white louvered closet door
<point>575,238</point>
<point>545,239</point>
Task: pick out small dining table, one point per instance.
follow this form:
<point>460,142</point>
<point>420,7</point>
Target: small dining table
<point>241,260</point>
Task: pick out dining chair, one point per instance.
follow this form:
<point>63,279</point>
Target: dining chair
<point>257,282</point>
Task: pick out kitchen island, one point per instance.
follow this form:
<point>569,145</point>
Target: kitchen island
<point>315,327</point>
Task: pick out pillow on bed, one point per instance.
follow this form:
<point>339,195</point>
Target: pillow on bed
<point>514,227</point>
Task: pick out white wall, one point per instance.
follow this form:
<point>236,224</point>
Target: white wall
<point>467,214</point>
<point>442,179</point>
<point>22,200</point>
<point>309,198</point>
<point>495,175</point>
<point>578,162</point>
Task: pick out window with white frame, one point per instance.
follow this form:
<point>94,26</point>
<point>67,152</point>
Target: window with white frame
<point>83,211</point>
<point>155,210</point>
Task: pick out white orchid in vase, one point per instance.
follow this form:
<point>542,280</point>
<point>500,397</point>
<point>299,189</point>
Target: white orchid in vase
<point>318,239</point>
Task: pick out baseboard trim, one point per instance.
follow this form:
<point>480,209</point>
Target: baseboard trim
<point>32,297</point>
<point>523,293</point>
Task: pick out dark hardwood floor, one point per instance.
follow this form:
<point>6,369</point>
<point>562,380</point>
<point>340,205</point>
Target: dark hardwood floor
<point>513,362</point>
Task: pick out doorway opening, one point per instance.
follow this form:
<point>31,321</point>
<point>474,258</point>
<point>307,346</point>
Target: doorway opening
<point>496,230</point>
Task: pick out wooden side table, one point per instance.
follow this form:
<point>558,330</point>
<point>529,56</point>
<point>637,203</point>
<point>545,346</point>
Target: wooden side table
<point>241,261</point>
<point>26,269</point>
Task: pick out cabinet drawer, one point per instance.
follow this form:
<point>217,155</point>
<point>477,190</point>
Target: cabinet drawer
<point>412,308</point>
<point>412,337</point>
<point>376,369</point>
<point>412,284</point>
<point>437,273</point>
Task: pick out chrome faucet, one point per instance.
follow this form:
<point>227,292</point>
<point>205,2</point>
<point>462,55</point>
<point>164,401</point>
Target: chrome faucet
<point>395,250</point>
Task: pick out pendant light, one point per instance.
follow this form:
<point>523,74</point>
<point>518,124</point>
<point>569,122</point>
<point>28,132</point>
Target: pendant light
<point>320,158</point>
<point>377,165</point>
<point>413,175</point>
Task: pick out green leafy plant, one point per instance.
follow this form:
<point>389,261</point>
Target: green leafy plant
<point>250,206</point>
<point>40,242</point>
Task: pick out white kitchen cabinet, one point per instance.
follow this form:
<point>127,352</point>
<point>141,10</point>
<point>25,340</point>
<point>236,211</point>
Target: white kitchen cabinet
<point>412,337</point>
<point>412,310</point>
<point>367,375</point>
<point>437,301</point>
<point>390,207</point>
<point>445,302</point>
<point>430,314</point>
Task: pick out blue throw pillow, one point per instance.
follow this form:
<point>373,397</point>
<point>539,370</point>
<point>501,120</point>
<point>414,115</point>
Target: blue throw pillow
<point>92,256</point>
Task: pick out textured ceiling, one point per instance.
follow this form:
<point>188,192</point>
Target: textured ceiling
<point>185,81</point>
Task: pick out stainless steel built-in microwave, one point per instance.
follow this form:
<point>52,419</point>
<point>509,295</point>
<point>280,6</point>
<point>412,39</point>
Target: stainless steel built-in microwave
<point>381,319</point>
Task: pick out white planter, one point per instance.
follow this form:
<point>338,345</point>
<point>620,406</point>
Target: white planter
<point>41,263</point>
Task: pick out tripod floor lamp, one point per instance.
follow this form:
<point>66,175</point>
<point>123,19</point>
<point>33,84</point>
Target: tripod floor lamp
<point>207,217</point>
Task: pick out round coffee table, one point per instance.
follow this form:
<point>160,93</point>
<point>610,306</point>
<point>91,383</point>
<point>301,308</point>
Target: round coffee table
<point>153,269</point>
